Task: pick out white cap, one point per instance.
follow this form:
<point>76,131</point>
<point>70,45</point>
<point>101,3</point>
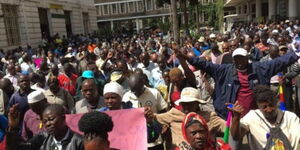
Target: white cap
<point>201,39</point>
<point>239,52</point>
<point>275,31</point>
<point>113,87</point>
<point>35,96</point>
<point>69,48</point>
<point>212,35</point>
<point>190,94</point>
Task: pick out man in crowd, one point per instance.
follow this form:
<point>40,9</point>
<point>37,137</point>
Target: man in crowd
<point>258,123</point>
<point>91,100</point>
<point>32,123</point>
<point>57,136</point>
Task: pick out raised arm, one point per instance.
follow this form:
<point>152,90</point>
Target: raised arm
<point>201,63</point>
<point>276,65</point>
<point>237,131</point>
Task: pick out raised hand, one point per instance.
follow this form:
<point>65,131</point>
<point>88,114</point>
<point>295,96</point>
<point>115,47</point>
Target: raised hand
<point>149,115</point>
<point>13,117</point>
<point>237,109</point>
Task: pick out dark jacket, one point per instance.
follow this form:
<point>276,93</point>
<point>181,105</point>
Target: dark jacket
<point>227,82</point>
<point>44,141</point>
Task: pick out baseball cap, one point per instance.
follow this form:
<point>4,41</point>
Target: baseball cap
<point>88,74</point>
<point>239,52</point>
<point>190,94</point>
<point>35,96</point>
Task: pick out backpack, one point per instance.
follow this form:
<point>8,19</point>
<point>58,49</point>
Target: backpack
<point>277,140</point>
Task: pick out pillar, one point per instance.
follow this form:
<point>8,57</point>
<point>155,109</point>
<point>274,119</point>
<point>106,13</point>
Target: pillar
<point>258,8</point>
<point>272,8</point>
<point>137,25</point>
<point>112,25</point>
<point>292,8</point>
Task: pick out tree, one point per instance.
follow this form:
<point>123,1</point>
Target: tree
<point>175,20</point>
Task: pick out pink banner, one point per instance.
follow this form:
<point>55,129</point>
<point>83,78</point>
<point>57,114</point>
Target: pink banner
<point>129,132</point>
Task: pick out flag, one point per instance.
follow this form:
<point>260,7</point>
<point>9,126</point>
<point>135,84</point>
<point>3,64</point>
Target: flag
<point>227,128</point>
<point>281,95</point>
<point>281,99</point>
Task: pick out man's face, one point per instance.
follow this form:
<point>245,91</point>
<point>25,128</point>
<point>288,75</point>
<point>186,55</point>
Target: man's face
<point>113,101</point>
<point>53,122</point>
<point>268,109</point>
<point>145,59</point>
<point>137,89</point>
<point>54,87</point>
<point>196,136</point>
<point>89,91</point>
<point>11,69</point>
<point>241,62</point>
<point>24,82</point>
<point>233,46</point>
<point>190,107</point>
<point>161,63</point>
<point>37,107</point>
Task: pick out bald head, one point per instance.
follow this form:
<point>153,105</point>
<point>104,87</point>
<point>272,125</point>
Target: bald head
<point>136,84</point>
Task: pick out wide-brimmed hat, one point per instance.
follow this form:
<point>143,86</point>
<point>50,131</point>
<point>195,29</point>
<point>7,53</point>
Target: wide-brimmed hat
<point>190,94</point>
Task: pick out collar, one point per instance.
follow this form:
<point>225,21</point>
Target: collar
<point>64,139</point>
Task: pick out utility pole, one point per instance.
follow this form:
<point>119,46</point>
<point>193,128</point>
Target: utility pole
<point>174,20</point>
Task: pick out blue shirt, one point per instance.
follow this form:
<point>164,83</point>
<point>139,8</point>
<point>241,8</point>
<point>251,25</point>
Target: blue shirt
<point>21,99</point>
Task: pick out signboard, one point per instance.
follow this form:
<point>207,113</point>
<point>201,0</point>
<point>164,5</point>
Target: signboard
<point>129,132</point>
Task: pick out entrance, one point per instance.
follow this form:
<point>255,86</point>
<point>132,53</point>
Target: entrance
<point>44,23</point>
<point>68,23</point>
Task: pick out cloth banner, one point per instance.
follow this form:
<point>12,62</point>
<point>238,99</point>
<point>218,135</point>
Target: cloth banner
<point>129,132</point>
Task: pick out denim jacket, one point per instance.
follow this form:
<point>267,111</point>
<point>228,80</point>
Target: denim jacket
<point>227,82</point>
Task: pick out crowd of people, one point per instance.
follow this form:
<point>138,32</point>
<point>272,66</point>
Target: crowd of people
<point>187,89</point>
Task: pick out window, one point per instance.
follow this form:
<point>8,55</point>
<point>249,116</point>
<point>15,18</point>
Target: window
<point>206,17</point>
<point>131,7</point>
<point>245,9</point>
<point>10,15</point>
<point>149,5</point>
<point>167,6</point>
<point>86,23</point>
<point>140,6</point>
<point>99,10</point>
<point>123,8</point>
<point>114,8</point>
<point>105,9</point>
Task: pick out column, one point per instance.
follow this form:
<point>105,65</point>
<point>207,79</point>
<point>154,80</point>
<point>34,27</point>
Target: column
<point>258,8</point>
<point>112,25</point>
<point>292,8</point>
<point>272,8</point>
<point>137,25</point>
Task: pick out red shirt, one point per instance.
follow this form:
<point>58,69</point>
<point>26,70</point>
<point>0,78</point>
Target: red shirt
<point>174,97</point>
<point>68,83</point>
<point>245,94</point>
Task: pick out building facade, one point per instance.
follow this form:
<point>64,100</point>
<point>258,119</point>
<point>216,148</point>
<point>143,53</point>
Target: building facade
<point>259,10</point>
<point>25,21</point>
<point>114,12</point>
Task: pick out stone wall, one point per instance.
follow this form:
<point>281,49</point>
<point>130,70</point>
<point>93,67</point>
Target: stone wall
<point>29,23</point>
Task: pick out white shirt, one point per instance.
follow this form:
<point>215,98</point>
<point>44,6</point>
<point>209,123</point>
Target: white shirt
<point>151,97</point>
<point>290,126</point>
<point>13,79</point>
<point>58,144</point>
<point>37,88</point>
<point>147,70</point>
<point>156,77</point>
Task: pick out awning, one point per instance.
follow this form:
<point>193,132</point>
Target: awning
<point>229,3</point>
